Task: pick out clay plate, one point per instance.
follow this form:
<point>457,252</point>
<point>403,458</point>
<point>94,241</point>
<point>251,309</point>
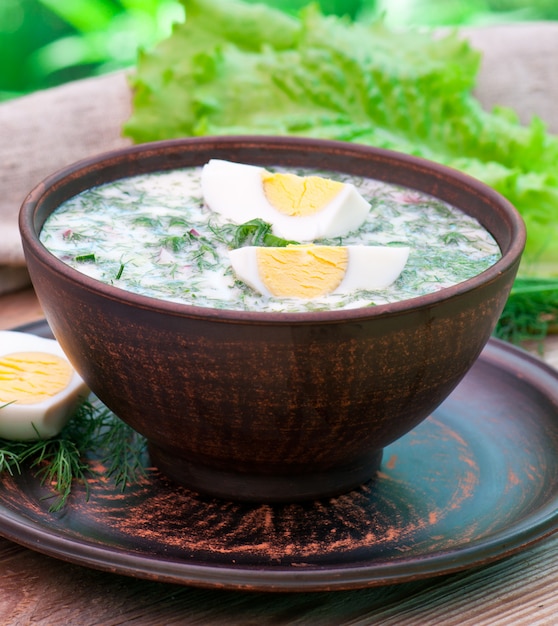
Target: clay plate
<point>477,481</point>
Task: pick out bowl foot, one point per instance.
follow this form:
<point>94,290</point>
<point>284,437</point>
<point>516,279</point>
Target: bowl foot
<point>265,487</point>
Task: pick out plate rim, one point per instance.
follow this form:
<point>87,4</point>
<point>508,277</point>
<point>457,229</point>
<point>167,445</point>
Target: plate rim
<point>515,537</point>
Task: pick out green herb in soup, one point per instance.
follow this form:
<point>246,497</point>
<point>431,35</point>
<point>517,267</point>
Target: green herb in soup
<point>155,235</point>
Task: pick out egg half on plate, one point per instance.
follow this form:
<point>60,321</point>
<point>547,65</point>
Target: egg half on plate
<point>299,208</point>
<point>312,271</point>
<point>39,389</point>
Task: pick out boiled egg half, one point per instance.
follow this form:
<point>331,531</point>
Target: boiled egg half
<point>300,208</point>
<point>39,389</point>
<point>312,271</point>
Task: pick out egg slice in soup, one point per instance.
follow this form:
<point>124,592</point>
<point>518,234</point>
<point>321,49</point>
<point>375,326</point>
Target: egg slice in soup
<point>301,208</point>
<point>312,271</point>
<point>39,389</point>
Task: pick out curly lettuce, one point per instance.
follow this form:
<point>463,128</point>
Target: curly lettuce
<point>236,68</point>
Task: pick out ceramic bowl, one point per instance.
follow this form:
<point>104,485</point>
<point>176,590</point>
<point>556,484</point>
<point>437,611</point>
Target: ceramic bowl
<point>270,406</point>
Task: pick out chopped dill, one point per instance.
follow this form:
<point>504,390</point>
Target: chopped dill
<point>62,461</point>
<point>70,235</point>
<point>454,238</point>
<point>147,221</point>
<point>178,221</point>
<point>85,258</point>
<point>176,249</point>
<point>174,242</point>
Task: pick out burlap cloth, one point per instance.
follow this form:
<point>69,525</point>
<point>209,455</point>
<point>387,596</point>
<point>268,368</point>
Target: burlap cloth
<point>48,130</point>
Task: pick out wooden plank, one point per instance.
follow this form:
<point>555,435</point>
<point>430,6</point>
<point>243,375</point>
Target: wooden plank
<point>521,590</point>
<point>19,308</point>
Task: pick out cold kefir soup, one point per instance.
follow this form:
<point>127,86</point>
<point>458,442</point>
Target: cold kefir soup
<point>241,237</point>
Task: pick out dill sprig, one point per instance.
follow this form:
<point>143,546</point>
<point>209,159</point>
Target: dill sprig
<point>9,461</point>
<point>123,451</point>
<point>531,310</point>
<point>63,461</point>
<point>58,462</point>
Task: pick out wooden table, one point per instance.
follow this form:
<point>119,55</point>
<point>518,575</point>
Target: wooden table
<point>37,589</point>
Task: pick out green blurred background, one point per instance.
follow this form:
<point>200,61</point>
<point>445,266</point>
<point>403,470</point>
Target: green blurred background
<point>44,43</point>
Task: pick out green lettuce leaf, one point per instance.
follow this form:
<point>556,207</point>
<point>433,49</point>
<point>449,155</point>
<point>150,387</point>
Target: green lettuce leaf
<point>237,68</point>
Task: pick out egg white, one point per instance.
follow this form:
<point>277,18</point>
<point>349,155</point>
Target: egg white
<point>235,191</point>
<point>369,268</point>
<point>45,419</point>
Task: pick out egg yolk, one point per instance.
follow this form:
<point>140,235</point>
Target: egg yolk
<point>302,271</point>
<point>31,377</point>
<point>299,195</point>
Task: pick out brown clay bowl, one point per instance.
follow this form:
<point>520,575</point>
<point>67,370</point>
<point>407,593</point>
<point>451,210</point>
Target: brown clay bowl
<point>271,406</point>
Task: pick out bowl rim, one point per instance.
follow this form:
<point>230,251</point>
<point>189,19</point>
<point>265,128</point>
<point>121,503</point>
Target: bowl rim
<point>32,244</point>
